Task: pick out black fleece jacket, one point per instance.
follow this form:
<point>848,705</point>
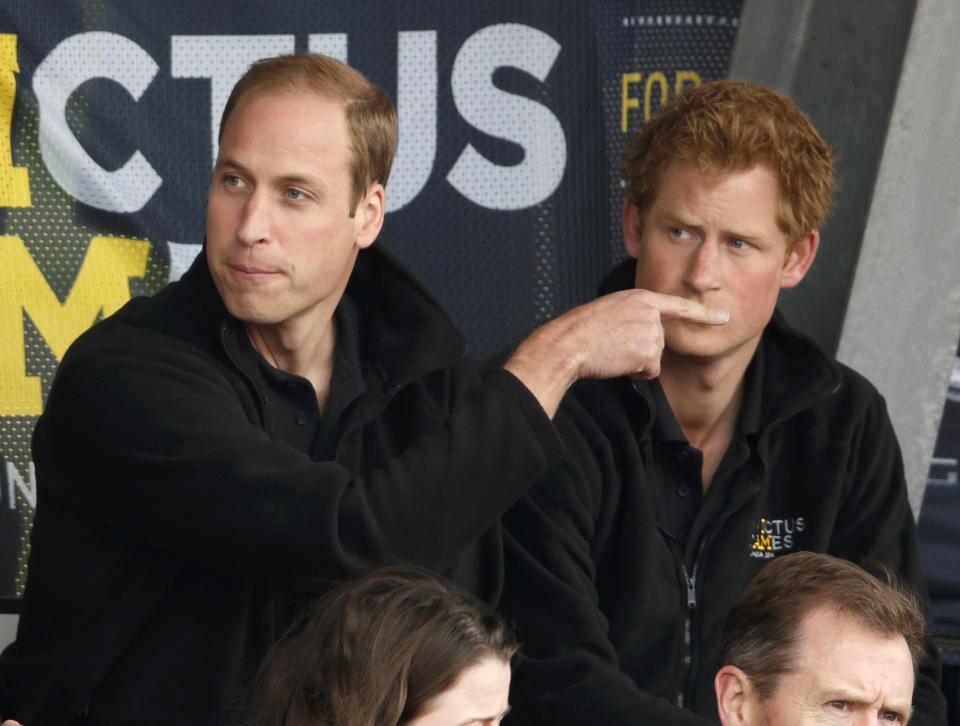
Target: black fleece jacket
<point>620,610</point>
<point>176,530</point>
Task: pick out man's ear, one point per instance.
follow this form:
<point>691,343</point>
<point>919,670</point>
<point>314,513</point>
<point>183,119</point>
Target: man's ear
<point>368,216</point>
<point>799,260</point>
<point>630,219</point>
<point>735,696</point>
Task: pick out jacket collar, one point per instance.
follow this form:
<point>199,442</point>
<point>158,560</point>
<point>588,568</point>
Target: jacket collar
<point>402,333</point>
<point>790,370</point>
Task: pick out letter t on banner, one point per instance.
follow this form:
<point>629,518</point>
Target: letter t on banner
<point>222,59</point>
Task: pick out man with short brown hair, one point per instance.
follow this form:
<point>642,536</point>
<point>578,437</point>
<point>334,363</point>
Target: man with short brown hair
<point>816,639</point>
<point>294,410</point>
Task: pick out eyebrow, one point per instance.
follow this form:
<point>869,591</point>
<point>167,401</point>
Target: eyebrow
<point>484,719</point>
<point>746,233</point>
<point>221,162</point>
<point>298,179</point>
<point>904,710</point>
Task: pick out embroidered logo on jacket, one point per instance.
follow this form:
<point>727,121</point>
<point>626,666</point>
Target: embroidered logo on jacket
<point>772,537</point>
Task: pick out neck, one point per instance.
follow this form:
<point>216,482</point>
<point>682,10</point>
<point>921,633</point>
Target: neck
<point>299,350</point>
<point>706,396</point>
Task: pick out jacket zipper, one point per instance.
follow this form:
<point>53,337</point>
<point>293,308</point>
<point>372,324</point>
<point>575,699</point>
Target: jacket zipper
<point>690,580</point>
<point>690,591</point>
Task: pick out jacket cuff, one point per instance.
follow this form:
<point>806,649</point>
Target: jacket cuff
<point>536,417</point>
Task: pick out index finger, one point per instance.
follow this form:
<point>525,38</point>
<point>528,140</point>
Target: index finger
<point>674,307</point>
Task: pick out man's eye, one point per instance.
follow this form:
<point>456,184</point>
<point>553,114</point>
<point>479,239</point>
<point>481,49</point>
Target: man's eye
<point>891,716</point>
<point>738,244</point>
<point>294,194</point>
<point>232,180</point>
<point>838,705</point>
<point>679,233</point>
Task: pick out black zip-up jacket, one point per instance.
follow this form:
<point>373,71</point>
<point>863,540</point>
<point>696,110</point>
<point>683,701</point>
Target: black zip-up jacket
<point>620,615</point>
<point>176,530</point>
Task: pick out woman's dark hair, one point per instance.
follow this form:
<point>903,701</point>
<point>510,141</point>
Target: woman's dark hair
<point>375,651</point>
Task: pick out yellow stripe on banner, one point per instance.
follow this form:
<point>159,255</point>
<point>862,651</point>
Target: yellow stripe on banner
<point>14,180</point>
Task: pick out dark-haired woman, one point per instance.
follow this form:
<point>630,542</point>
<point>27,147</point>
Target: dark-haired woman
<point>397,647</point>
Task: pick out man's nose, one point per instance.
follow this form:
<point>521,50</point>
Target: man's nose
<point>255,220</point>
<point>703,267</point>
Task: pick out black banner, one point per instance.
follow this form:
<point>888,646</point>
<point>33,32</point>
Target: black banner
<point>504,198</point>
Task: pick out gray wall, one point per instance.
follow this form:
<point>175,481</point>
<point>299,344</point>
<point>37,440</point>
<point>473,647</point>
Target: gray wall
<point>840,60</point>
<point>8,628</point>
<point>876,77</point>
<point>903,320</point>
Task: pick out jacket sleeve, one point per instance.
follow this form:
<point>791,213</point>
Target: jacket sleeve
<point>569,673</point>
<point>876,527</point>
<point>156,446</point>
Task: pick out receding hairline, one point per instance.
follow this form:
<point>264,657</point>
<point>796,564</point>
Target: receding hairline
<point>846,617</point>
<point>849,616</point>
<point>293,89</point>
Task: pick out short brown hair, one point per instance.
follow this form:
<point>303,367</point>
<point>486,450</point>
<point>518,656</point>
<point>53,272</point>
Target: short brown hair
<point>376,651</point>
<point>763,627</point>
<point>371,118</point>
<point>729,126</point>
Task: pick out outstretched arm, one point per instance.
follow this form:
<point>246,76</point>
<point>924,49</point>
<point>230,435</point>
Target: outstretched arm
<point>157,445</point>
